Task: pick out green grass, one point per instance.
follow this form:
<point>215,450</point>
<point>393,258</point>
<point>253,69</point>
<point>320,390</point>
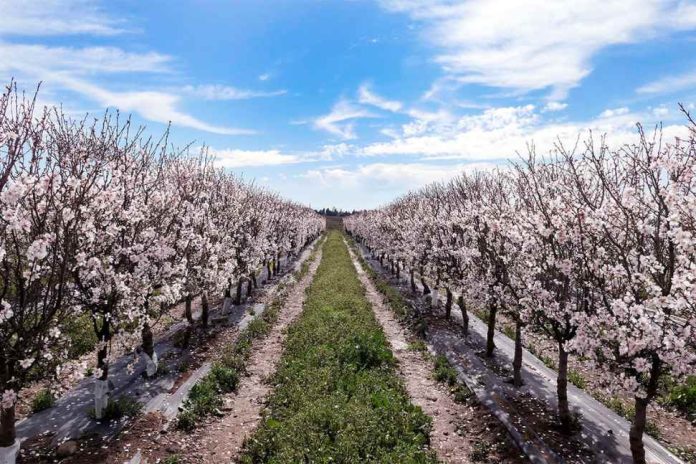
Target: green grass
<point>124,406</point>
<point>43,400</point>
<point>337,396</point>
<point>576,379</point>
<point>683,397</point>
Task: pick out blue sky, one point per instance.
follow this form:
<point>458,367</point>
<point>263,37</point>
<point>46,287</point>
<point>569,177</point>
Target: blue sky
<point>351,103</point>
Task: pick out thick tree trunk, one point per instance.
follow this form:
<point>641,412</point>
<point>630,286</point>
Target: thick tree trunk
<point>8,432</point>
<point>205,310</point>
<point>640,419</point>
<point>465,315</point>
<point>250,287</point>
<point>448,304</point>
<point>490,344</point>
<point>238,297</point>
<point>268,270</point>
<point>253,280</point>
<point>517,361</point>
<point>635,436</point>
<point>562,389</point>
<point>276,268</point>
<point>413,281</point>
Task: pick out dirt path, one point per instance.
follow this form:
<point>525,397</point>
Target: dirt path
<point>448,416</point>
<point>222,440</point>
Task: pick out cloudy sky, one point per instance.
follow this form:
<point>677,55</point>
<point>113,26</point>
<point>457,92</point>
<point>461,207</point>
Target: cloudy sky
<point>350,103</point>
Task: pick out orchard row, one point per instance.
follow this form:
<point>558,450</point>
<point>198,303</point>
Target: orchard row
<point>596,247</point>
<point>99,221</point>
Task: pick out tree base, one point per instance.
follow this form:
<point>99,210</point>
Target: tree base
<point>8,454</point>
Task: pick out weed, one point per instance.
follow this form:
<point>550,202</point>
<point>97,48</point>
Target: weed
<point>172,459</point>
<point>576,378</point>
<point>43,400</point>
<point>118,408</point>
<point>480,452</point>
<point>444,372</point>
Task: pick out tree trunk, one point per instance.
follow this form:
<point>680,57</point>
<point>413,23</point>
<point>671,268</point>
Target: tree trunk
<point>413,281</point>
<point>238,298</point>
<point>426,289</point>
<point>8,432</point>
<point>187,309</point>
<point>276,268</point>
<point>562,388</point>
<point>148,340</point>
<point>448,304</point>
<point>189,317</point>
<point>250,287</point>
<point>490,344</point>
<point>381,260</point>
<point>465,315</point>
<point>253,280</point>
<point>103,353</point>
<point>205,310</point>
<point>517,361</point>
<point>398,271</point>
<point>268,270</point>
<point>635,435</point>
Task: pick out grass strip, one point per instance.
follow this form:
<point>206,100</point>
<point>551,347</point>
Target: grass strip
<point>206,396</point>
<point>337,396</point>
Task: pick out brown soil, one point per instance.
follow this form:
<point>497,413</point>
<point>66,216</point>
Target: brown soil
<point>458,429</point>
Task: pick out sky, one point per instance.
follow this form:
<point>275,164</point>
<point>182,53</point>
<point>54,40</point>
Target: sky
<point>350,103</point>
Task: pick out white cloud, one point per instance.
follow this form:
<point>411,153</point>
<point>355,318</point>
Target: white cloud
<point>339,121</point>
<point>536,44</point>
<point>264,76</point>
<point>55,17</point>
<point>612,112</point>
<point>500,133</point>
<point>555,106</point>
<point>670,84</point>
<point>368,97</point>
<point>40,60</point>
<point>151,105</point>
<point>233,158</point>
<point>225,92</point>
<point>389,176</point>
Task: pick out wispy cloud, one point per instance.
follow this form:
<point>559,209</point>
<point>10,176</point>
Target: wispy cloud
<point>55,17</point>
<point>367,97</point>
<point>339,121</point>
<point>43,60</point>
<point>225,92</point>
<point>670,84</point>
<point>151,105</point>
<point>505,43</point>
<point>234,158</point>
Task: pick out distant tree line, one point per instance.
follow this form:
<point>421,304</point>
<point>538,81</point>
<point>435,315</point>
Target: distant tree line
<point>334,212</point>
